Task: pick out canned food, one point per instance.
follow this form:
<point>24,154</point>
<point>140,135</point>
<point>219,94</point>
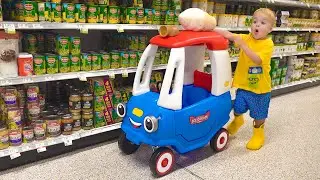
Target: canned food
<point>170,17</point>
<point>41,43</point>
<point>75,44</point>
<point>124,60</point>
<point>30,11</point>
<point>44,10</point>
<point>63,45</point>
<point>114,14</point>
<point>28,134</point>
<point>52,64</point>
<point>96,61</point>
<point>75,63</point>
<point>99,119</point>
<point>93,13</point>
<point>80,13</point>
<point>19,11</point>
<point>56,15</point>
<point>131,15</point>
<point>140,15</point>
<point>106,60</point>
<point>68,13</point>
<point>133,59</point>
<point>30,43</point>
<point>64,64</point>
<point>156,19</point>
<point>103,14</point>
<point>115,60</point>
<point>148,16</point>
<point>53,123</point>
<point>86,63</point>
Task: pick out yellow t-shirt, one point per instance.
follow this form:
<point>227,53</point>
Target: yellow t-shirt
<point>250,76</point>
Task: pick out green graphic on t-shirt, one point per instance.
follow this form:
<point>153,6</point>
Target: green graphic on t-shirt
<point>254,76</point>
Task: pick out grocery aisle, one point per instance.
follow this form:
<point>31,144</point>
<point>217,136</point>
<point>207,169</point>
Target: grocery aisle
<point>292,151</point>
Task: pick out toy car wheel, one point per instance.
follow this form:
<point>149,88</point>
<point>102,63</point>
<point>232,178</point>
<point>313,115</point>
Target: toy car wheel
<point>219,141</point>
<point>125,145</point>
<point>162,161</point>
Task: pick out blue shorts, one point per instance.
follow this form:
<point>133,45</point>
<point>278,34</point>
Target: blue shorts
<point>257,104</point>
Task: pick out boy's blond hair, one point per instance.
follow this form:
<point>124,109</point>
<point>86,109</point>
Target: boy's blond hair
<point>269,13</point>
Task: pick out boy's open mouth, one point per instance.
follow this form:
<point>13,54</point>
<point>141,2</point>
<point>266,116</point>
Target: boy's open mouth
<point>256,30</point>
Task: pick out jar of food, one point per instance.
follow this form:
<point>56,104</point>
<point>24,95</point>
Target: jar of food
<point>4,137</point>
<point>14,117</point>
<point>53,123</point>
<point>28,134</point>
<point>76,121</point>
<point>87,120</point>
<point>75,101</point>
<point>15,137</point>
<point>39,128</point>
<point>32,94</point>
<point>67,124</point>
<point>87,102</point>
<point>10,97</point>
<point>34,109</point>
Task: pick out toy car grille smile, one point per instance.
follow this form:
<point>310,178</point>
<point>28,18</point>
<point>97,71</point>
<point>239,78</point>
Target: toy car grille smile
<point>135,124</point>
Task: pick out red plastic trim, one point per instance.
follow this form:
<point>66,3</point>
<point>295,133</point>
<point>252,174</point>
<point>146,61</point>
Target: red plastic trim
<point>213,40</point>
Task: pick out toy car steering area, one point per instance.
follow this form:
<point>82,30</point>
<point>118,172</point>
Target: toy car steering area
<point>188,116</point>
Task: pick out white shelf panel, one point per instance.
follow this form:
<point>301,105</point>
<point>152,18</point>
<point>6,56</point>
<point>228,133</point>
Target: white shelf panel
<point>97,26</point>
<point>40,145</point>
<point>71,75</point>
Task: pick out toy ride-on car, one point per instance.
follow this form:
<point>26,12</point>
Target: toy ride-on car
<point>192,113</point>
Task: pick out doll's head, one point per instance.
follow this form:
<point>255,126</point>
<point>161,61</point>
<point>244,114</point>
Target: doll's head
<point>195,19</point>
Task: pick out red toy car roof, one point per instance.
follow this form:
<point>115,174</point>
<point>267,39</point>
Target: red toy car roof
<point>213,40</point>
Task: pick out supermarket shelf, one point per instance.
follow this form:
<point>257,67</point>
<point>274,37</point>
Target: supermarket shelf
<point>296,53</point>
<point>291,3</point>
<point>71,75</point>
<point>118,27</point>
<point>40,146</point>
<point>111,72</point>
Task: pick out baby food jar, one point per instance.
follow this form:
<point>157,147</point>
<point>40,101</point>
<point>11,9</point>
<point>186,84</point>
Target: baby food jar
<point>53,123</point>
<point>76,121</point>
<point>39,129</point>
<point>87,102</point>
<point>87,120</point>
<point>75,101</point>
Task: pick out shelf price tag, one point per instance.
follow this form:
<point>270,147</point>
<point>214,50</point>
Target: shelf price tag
<point>67,142</point>
<point>120,29</point>
<point>41,149</point>
<point>125,73</point>
<point>308,5</point>
<point>9,28</point>
<point>82,77</point>
<point>112,75</point>
<point>83,30</point>
<point>15,155</point>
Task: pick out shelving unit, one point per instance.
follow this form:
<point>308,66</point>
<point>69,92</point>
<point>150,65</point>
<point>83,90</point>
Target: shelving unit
<point>119,27</point>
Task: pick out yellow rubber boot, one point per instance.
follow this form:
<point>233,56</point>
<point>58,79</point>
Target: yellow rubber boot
<point>234,126</point>
<point>257,140</point>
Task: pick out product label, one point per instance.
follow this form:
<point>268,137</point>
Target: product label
<point>75,63</point>
<point>15,137</point>
<point>199,119</point>
<point>4,139</point>
<point>28,136</point>
<point>86,104</point>
<point>67,127</point>
<point>10,99</point>
<point>80,13</point>
<point>53,128</point>
<point>39,131</point>
<point>86,62</point>
<point>77,123</point>
<point>88,122</point>
<point>75,105</point>
<point>114,15</point>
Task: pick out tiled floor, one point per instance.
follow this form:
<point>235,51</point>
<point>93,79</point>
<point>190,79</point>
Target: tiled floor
<point>292,151</point>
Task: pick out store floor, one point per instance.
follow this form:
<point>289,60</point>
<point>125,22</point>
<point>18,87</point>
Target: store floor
<point>292,151</point>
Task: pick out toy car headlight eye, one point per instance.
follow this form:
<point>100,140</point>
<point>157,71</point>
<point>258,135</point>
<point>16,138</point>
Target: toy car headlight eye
<point>121,110</point>
<point>150,124</point>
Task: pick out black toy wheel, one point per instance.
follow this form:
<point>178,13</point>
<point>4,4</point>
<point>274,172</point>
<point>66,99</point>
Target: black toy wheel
<point>219,142</point>
<point>125,145</point>
<point>162,161</point>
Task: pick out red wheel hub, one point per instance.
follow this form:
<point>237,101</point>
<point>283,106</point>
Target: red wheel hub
<point>222,139</point>
<point>165,162</point>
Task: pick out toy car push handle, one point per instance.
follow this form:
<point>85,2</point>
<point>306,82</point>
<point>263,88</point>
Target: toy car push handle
<point>165,31</point>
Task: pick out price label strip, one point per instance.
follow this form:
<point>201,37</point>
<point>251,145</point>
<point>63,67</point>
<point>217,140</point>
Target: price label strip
<point>15,155</point>
<point>125,73</point>
<point>83,30</point>
<point>67,142</point>
<point>120,29</point>
<point>9,29</point>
